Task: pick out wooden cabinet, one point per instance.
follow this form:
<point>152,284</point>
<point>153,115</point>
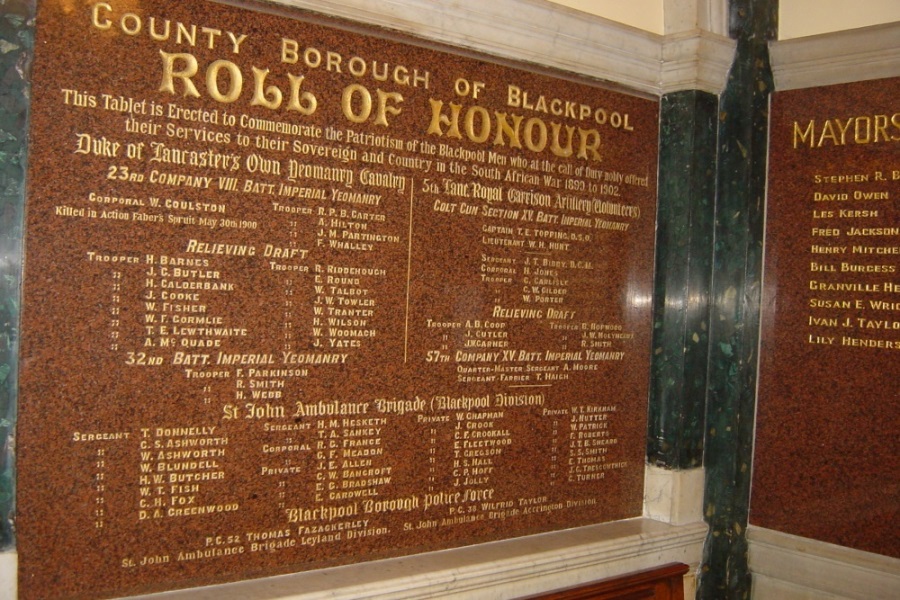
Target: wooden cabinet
<point>661,583</point>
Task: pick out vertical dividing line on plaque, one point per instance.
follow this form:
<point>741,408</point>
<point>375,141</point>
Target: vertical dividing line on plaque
<point>412,184</point>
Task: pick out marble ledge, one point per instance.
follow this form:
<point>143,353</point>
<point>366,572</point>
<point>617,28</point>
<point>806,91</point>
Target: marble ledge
<point>790,567</point>
<point>672,530</point>
<point>828,59</point>
<point>498,570</point>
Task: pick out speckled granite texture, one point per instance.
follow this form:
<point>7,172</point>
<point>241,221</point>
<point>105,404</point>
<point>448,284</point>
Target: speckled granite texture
<point>299,296</point>
<point>735,299</point>
<point>825,464</point>
<point>683,272</point>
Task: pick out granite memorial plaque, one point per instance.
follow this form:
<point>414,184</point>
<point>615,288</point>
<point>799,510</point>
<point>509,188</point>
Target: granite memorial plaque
<point>825,463</point>
<point>300,294</point>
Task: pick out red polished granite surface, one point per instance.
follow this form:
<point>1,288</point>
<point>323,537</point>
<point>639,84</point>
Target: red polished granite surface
<point>826,465</point>
<point>298,296</point>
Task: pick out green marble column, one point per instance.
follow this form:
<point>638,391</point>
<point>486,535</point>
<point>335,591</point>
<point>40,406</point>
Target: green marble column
<point>687,166</point>
<point>16,46</point>
<point>735,299</point>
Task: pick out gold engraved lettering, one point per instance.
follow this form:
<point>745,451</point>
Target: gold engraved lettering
<point>268,97</point>
<point>853,130</point>
<point>477,124</point>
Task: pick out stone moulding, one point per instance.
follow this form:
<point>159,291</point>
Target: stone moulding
<point>552,36</point>
<point>832,58</point>
<point>695,60</point>
<point>793,568</point>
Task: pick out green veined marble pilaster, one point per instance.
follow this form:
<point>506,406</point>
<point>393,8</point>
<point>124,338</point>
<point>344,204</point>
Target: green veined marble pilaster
<point>735,300</point>
<point>16,48</point>
<point>687,172</point>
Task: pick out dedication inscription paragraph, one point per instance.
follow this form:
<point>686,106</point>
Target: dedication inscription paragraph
<point>298,296</point>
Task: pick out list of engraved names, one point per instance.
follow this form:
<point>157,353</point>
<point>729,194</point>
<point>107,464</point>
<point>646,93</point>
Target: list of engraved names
<point>854,291</point>
<point>827,398</point>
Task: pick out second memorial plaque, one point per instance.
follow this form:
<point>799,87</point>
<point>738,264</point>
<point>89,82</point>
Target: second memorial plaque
<point>828,393</point>
<point>299,296</point>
